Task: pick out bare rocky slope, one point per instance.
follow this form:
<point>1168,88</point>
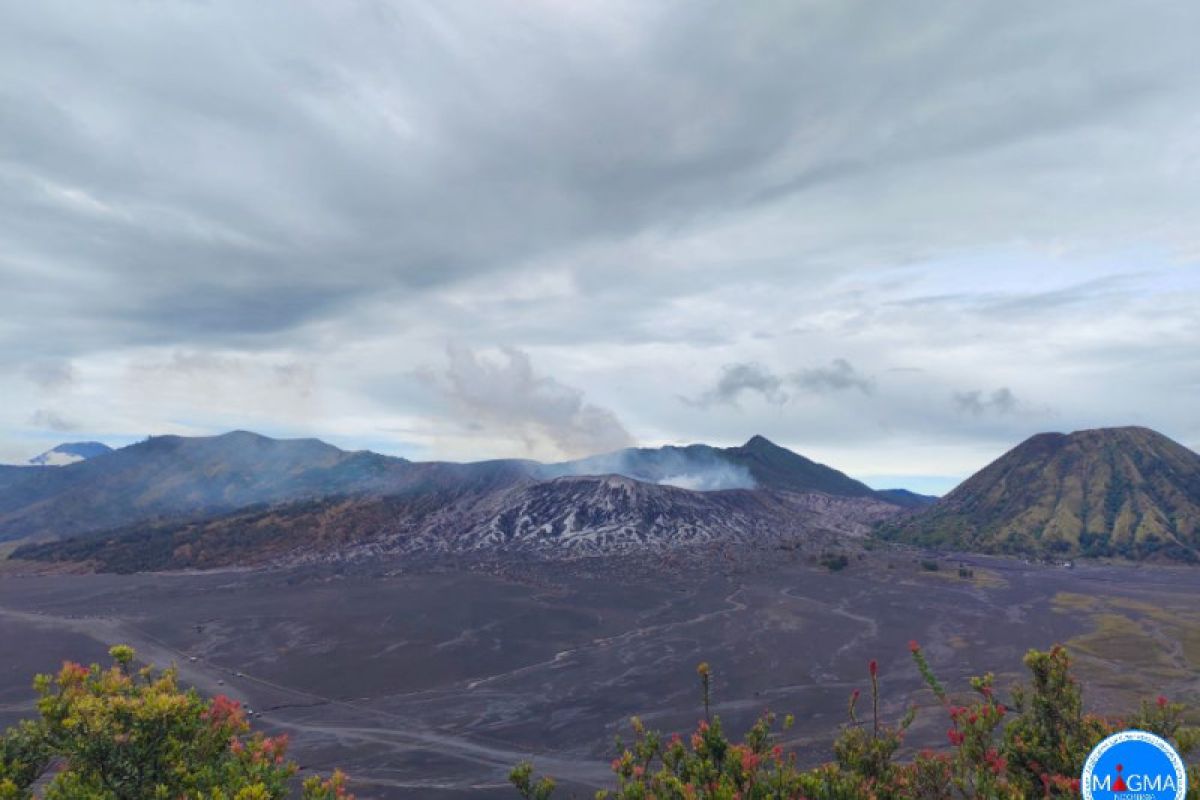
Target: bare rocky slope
<point>565,517</point>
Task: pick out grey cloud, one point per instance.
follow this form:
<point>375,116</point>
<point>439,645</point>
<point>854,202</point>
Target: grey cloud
<point>297,375</point>
<point>342,156</point>
<point>838,376</point>
<point>700,180</point>
<point>302,377</point>
<point>290,383</point>
<point>741,378</point>
<point>52,376</point>
<point>507,397</point>
<point>1000,402</point>
<point>737,379</point>
<point>1022,302</point>
<point>50,420</point>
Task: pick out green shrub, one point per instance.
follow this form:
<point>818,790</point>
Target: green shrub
<point>125,734</point>
<point>834,562</point>
<point>1034,746</point>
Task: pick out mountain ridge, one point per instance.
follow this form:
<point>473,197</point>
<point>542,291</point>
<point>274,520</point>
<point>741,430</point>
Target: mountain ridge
<point>1117,491</point>
<point>180,478</point>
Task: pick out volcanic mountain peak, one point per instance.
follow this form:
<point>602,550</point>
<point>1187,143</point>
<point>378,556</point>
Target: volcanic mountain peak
<point>1126,491</point>
<point>779,468</point>
<point>759,463</point>
<point>760,443</point>
<point>70,453</point>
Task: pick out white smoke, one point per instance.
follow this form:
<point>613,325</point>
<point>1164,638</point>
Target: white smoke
<point>507,397</point>
<point>697,468</point>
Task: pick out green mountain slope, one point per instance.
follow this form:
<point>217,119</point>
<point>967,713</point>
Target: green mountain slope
<point>1127,492</point>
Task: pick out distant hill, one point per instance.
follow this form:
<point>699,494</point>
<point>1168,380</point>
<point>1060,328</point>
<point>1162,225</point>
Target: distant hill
<point>907,499</point>
<point>69,453</point>
<point>175,476</point>
<point>1127,492</point>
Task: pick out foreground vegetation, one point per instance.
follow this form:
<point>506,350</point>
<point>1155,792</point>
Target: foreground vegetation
<point>126,733</point>
<point>120,733</point>
<point>1033,746</point>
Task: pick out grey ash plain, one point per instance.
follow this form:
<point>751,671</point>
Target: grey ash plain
<point>430,680</point>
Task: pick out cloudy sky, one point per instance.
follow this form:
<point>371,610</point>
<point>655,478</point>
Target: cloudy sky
<point>897,237</point>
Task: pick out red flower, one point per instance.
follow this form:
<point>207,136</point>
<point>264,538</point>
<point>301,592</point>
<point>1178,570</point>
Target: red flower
<point>1162,701</point>
<point>873,666</point>
<point>913,646</point>
<point>72,672</point>
<point>749,761</point>
<point>224,711</point>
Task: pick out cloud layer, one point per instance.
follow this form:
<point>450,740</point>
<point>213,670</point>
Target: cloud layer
<point>897,238</point>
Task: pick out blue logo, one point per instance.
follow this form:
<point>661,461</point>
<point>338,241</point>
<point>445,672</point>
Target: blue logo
<point>1134,765</point>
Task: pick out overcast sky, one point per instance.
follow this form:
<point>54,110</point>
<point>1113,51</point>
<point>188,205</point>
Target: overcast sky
<point>896,237</point>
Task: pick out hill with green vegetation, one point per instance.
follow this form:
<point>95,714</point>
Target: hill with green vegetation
<point>1126,492</point>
